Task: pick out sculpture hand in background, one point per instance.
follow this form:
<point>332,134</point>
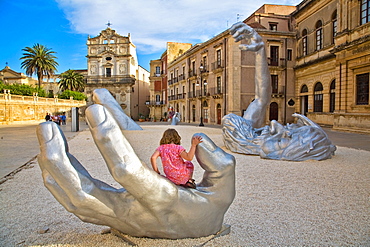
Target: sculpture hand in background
<point>241,31</point>
<point>256,110</point>
<point>297,142</point>
<point>148,204</point>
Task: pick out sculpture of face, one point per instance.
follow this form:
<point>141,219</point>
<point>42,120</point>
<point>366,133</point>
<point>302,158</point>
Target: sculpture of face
<point>297,142</point>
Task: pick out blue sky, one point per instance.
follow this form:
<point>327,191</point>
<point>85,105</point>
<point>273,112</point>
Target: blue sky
<point>64,25</point>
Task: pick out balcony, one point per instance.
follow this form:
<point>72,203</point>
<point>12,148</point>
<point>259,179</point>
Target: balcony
<point>192,73</point>
<point>216,92</point>
<point>112,79</point>
<point>218,65</point>
<point>276,62</point>
<point>155,103</point>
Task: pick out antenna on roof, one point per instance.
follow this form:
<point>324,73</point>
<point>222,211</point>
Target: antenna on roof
<point>237,17</point>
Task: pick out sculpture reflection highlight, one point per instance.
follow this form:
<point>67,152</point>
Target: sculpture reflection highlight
<point>147,205</point>
<point>296,142</point>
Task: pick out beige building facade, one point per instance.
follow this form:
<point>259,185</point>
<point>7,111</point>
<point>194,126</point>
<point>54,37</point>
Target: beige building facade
<point>112,64</point>
<point>216,78</point>
<point>319,60</point>
<point>333,62</point>
<point>158,100</point>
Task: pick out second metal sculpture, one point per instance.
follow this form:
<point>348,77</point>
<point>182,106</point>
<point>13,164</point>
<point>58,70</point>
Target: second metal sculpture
<point>297,142</point>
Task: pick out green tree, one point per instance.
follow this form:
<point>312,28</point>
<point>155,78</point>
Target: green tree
<point>76,95</point>
<point>39,60</point>
<point>71,80</point>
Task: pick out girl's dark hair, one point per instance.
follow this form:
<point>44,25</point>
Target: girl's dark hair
<point>170,136</point>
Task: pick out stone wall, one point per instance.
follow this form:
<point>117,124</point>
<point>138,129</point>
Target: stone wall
<point>20,109</point>
<point>353,122</point>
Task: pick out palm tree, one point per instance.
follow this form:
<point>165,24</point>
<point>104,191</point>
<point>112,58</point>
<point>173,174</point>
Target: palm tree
<point>71,80</point>
<point>39,60</point>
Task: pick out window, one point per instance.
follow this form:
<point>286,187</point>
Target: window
<point>318,97</point>
<point>304,42</point>
<point>157,98</point>
<point>274,55</point>
<point>289,55</point>
<point>274,83</point>
<point>304,89</point>
<point>365,11</point>
<point>157,71</point>
<point>332,97</point>
<point>108,72</point>
<point>193,68</point>
<point>273,26</point>
<point>218,84</point>
<point>334,25</point>
<point>204,63</point>
<point>362,86</point>
<point>218,54</point>
<point>204,87</point>
<point>318,35</point>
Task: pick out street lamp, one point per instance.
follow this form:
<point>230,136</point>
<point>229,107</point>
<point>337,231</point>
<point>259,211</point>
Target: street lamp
<point>201,94</point>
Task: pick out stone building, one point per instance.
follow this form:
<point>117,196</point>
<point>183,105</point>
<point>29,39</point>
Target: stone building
<point>318,55</point>
<point>9,76</point>
<point>215,78</point>
<point>112,64</point>
<point>157,102</point>
<point>333,62</point>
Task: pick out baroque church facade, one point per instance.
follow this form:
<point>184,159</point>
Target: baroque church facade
<point>112,64</point>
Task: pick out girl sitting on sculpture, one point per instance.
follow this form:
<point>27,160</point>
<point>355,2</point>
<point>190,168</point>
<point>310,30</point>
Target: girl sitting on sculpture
<point>172,154</point>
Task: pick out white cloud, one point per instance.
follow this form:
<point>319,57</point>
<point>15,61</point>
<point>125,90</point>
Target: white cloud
<point>152,23</point>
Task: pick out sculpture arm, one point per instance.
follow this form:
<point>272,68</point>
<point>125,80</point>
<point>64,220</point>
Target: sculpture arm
<point>256,111</point>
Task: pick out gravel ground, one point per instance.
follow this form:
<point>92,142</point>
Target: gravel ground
<point>278,203</point>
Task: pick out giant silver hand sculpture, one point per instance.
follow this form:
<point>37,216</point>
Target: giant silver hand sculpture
<point>148,204</point>
<point>103,97</point>
<point>297,142</point>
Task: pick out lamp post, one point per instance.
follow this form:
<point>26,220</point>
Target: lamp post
<point>201,95</point>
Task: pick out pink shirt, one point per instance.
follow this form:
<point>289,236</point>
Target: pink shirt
<point>175,167</point>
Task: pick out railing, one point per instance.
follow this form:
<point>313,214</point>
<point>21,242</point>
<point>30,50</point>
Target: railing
<point>192,73</point>
<point>18,108</point>
<point>155,103</point>
<point>13,98</point>
<point>215,91</point>
<point>112,79</point>
<point>218,65</point>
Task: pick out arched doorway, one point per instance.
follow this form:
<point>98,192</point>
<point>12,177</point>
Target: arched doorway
<point>332,96</point>
<point>193,113</point>
<point>318,98</point>
<point>274,111</point>
<point>218,114</point>
<point>304,100</point>
<point>205,111</point>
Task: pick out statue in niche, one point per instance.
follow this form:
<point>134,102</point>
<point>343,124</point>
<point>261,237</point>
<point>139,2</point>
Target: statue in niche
<point>148,204</point>
<point>122,68</point>
<point>93,69</point>
<point>296,142</point>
